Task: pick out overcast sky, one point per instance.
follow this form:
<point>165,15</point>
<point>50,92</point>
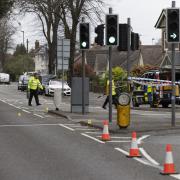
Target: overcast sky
<point>143,14</point>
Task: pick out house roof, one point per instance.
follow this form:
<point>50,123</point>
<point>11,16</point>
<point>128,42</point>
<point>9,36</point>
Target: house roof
<point>97,57</point>
<point>161,22</point>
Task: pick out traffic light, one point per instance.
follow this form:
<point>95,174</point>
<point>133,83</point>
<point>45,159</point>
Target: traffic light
<point>84,36</point>
<point>134,41</point>
<point>172,25</point>
<point>99,30</point>
<point>112,28</point>
<point>123,37</point>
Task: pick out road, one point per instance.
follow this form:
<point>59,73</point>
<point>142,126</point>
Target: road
<point>39,146</point>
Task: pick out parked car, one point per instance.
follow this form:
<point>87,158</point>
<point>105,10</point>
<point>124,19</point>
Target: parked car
<point>4,78</point>
<point>53,84</point>
<point>23,82</point>
<point>44,79</point>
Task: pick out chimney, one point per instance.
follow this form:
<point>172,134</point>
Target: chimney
<point>37,44</point>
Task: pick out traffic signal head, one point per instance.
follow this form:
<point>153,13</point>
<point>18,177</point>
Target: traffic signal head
<point>172,25</point>
<point>99,39</point>
<point>84,36</point>
<point>123,37</point>
<point>112,27</point>
<point>134,41</point>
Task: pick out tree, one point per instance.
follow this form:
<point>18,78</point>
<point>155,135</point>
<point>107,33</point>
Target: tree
<point>20,50</point>
<point>6,32</point>
<point>88,70</point>
<point>5,6</point>
<point>64,13</point>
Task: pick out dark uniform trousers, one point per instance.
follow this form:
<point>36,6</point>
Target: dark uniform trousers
<point>35,94</point>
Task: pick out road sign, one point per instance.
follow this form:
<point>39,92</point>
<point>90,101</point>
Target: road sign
<point>63,54</point>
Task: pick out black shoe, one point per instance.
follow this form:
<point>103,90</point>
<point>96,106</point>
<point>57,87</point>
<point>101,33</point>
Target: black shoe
<point>104,107</point>
<point>29,104</point>
<point>38,104</point>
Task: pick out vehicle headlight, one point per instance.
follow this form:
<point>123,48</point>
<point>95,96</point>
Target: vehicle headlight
<point>20,82</point>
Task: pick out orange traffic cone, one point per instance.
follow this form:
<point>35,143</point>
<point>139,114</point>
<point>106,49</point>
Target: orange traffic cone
<point>169,167</point>
<point>105,135</point>
<point>134,150</point>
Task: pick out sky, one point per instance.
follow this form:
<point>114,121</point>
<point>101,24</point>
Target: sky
<point>143,14</point>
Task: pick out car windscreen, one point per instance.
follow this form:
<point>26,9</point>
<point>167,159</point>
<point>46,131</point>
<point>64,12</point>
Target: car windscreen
<point>55,83</point>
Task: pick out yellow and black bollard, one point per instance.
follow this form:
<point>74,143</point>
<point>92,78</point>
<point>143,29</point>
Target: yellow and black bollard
<point>123,111</point>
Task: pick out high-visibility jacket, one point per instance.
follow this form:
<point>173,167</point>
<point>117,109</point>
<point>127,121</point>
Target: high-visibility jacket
<point>113,88</point>
<point>149,89</point>
<point>34,83</point>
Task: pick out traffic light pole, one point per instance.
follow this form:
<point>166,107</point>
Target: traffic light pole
<point>128,50</point>
<point>110,78</point>
<point>173,97</point>
<point>83,77</point>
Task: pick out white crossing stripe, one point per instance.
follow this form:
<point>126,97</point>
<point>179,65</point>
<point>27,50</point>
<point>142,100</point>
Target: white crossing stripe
<point>62,125</point>
<point>102,142</point>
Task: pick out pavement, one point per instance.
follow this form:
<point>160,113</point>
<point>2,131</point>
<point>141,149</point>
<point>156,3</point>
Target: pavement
<point>96,115</point>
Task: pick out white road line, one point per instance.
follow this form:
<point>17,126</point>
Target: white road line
<point>86,129</point>
<point>117,141</point>
<point>62,125</point>
<point>177,176</point>
<point>137,159</point>
<point>26,125</point>
<point>102,142</point>
<point>17,107</point>
<point>139,141</point>
<point>122,151</point>
<point>94,133</point>
<point>38,115</point>
<point>148,157</point>
<point>26,111</point>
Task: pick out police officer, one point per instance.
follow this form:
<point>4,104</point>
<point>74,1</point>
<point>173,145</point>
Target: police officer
<point>33,85</point>
<point>114,98</point>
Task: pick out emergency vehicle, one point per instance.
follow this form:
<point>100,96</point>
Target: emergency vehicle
<point>159,86</point>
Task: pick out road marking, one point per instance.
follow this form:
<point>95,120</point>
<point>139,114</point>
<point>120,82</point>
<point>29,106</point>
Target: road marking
<point>26,111</point>
<point>38,115</point>
<point>102,142</point>
<point>86,129</point>
<point>177,176</point>
<point>62,125</point>
<point>94,133</point>
<point>148,157</point>
<point>137,159</point>
<point>26,125</point>
<point>139,140</point>
<point>118,141</point>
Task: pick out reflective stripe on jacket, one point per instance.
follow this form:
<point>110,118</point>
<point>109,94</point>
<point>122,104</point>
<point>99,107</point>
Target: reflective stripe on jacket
<point>113,88</point>
<point>34,83</point>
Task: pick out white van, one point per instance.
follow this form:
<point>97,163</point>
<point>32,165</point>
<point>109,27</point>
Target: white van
<point>4,78</point>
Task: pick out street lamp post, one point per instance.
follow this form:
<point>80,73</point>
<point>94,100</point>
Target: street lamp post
<point>23,37</point>
<point>23,45</point>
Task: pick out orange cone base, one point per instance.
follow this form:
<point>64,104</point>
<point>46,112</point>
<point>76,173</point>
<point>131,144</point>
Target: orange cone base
<point>106,137</point>
<point>134,153</point>
<point>169,169</point>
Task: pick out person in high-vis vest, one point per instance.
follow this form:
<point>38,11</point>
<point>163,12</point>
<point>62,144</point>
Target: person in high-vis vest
<point>114,98</point>
<point>150,95</point>
<point>33,85</point>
